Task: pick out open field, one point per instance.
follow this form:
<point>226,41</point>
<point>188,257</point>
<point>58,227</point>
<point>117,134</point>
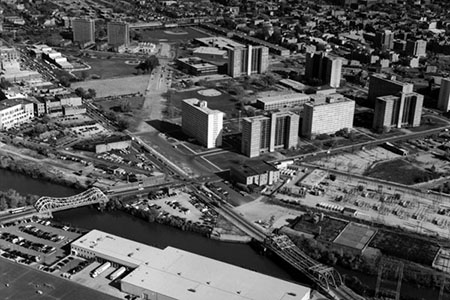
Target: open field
<point>25,282</point>
<point>115,86</point>
<point>107,68</point>
<point>400,171</point>
<point>170,35</point>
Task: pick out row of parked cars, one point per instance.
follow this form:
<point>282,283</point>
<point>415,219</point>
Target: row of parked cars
<point>18,256</point>
<point>39,233</point>
<point>22,242</point>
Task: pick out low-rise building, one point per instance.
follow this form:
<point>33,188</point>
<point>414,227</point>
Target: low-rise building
<point>254,172</point>
<point>282,101</point>
<point>196,66</point>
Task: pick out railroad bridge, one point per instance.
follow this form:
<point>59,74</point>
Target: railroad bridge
<point>327,279</point>
<point>50,204</point>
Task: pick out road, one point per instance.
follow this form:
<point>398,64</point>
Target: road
<point>409,136</point>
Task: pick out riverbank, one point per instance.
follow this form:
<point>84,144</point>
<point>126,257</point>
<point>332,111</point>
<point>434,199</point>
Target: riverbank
<point>37,167</point>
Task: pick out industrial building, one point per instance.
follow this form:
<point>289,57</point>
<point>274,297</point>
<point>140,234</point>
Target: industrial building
<point>261,134</point>
<point>14,112</point>
<point>444,95</point>
<point>333,113</point>
<point>202,123</point>
<point>325,68</point>
<point>175,274</point>
<point>83,31</point>
<point>398,111</point>
<point>382,85</point>
<point>10,66</point>
<point>254,172</point>
<point>282,101</point>
<point>118,34</point>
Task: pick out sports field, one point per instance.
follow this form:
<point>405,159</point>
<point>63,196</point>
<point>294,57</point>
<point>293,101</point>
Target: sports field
<point>108,68</point>
<point>18,282</point>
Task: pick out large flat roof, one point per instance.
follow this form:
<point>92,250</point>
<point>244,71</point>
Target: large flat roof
<point>183,275</point>
<point>126,250</point>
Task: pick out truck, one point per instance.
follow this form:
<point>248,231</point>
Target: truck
<point>117,273</point>
<point>100,269</point>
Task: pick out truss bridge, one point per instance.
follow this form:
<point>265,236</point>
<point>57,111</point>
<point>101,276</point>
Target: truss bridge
<point>50,204</point>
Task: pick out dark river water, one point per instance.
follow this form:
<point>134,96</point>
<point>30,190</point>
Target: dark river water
<point>161,236</point>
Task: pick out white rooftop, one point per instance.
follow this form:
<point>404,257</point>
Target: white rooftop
<point>209,50</point>
<point>132,252</point>
<point>186,276</point>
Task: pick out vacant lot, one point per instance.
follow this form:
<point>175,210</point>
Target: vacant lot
<point>115,86</point>
<point>107,68</point>
<point>400,171</point>
<point>330,227</point>
<point>406,247</point>
<point>170,35</point>
<point>24,283</point>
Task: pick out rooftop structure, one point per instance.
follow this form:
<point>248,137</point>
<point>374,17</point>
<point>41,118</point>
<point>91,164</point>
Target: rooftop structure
<point>176,274</point>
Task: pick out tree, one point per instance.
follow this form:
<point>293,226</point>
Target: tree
<point>80,92</point>
<point>91,93</point>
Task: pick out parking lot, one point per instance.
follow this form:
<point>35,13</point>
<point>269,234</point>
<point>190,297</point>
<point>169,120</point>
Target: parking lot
<point>40,240</point>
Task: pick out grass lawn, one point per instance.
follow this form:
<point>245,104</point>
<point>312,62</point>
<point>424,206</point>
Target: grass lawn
<point>171,35</point>
<point>115,86</point>
<point>224,102</point>
<point>108,68</point>
<point>399,171</point>
<point>24,283</point>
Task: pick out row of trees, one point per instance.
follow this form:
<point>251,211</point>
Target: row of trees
<point>12,199</point>
<point>89,94</point>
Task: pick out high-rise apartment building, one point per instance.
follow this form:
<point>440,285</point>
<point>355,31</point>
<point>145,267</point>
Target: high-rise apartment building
<point>326,68</point>
<point>118,34</point>
<point>334,113</point>
<point>262,134</point>
<point>416,48</point>
<point>444,95</point>
<point>83,31</point>
<point>247,60</point>
<point>397,111</point>
<point>384,40</point>
<point>381,85</point>
<point>201,122</point>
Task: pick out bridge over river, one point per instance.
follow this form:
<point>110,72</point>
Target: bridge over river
<point>51,204</point>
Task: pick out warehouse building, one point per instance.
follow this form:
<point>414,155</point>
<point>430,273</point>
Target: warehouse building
<point>174,274</point>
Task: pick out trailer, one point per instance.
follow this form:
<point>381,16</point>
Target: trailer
<point>117,273</point>
<point>101,269</point>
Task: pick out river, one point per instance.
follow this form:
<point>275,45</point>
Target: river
<point>161,236</point>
